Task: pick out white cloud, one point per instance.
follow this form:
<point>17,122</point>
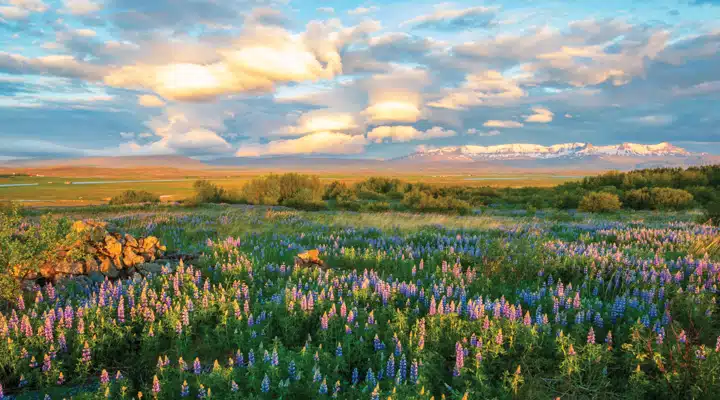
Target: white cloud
<point>328,10</point>
<point>493,123</point>
<point>476,132</point>
<point>57,65</point>
<point>362,10</point>
<point>489,88</point>
<point>473,17</point>
<point>314,143</point>
<point>260,58</point>
<point>22,9</point>
<point>541,115</point>
<point>404,133</point>
<point>321,121</point>
<point>148,100</point>
<point>81,7</point>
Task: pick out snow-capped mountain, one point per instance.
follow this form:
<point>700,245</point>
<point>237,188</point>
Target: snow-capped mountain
<point>519,151</point>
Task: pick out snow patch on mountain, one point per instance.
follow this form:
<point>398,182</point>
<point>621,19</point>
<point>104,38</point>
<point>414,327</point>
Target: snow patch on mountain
<point>535,151</point>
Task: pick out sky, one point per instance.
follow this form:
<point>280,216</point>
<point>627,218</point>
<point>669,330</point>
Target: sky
<point>356,79</point>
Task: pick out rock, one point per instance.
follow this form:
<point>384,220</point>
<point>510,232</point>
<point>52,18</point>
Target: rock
<point>130,241</point>
<point>112,272</point>
<point>114,248</point>
<point>150,268</point>
<point>96,277</point>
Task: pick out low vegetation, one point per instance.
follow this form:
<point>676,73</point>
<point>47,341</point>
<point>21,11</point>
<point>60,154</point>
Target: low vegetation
<point>134,197</point>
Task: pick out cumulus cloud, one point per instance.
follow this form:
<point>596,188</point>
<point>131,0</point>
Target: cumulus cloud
<point>494,123</point>
<point>321,121</point>
<point>362,10</point>
<point>487,88</point>
<point>396,96</point>
<point>22,9</point>
<point>57,65</point>
<point>148,100</point>
<point>455,20</point>
<point>314,143</point>
<point>403,133</point>
<point>541,115</point>
<point>477,132</point>
<point>81,7</point>
<point>257,61</point>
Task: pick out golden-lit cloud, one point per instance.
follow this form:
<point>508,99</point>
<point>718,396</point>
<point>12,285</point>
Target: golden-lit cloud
<point>321,121</point>
<point>148,100</point>
<point>402,110</point>
<point>541,115</point>
<point>262,57</point>
<point>494,123</point>
<point>81,7</point>
<point>404,133</point>
<point>489,88</point>
<point>314,143</point>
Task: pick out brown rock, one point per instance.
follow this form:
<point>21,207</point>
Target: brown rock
<point>150,243</point>
<point>90,266</point>
<point>113,246</point>
<point>130,241</point>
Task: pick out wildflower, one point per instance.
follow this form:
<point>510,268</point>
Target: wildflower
<point>202,393</point>
<point>119,376</point>
<point>338,350</point>
<point>336,390</point>
<point>292,370</point>
<point>571,351</point>
<point>265,386</point>
<point>324,321</point>
<point>182,364</point>
<point>376,393</point>
<point>184,389</point>
<point>414,372</point>
<point>370,377</point>
<point>239,361</point>
<point>323,387</point>
<point>251,358</point>
<point>156,386</point>
<point>682,338</point>
<point>499,337</point>
<point>717,345</point>
<point>86,354</point>
<point>197,368</point>
<point>47,364</point>
<point>355,376</point>
<point>700,353</point>
<point>591,336</point>
<point>60,380</point>
<point>275,360</point>
<point>104,377</point>
<point>390,367</point>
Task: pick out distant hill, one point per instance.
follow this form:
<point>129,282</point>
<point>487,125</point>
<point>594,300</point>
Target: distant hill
<point>459,159</point>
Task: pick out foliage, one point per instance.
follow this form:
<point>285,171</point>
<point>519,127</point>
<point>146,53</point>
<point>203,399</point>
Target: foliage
<point>600,306</point>
<point>600,202</point>
<point>134,197</point>
<point>24,244</point>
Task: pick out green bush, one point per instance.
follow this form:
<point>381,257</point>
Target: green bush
<point>375,206</point>
<point>26,245</point>
<point>207,192</point>
<point>670,199</point>
<point>600,202</point>
<point>712,213</point>
<point>134,197</point>
<point>638,199</point>
<point>420,201</point>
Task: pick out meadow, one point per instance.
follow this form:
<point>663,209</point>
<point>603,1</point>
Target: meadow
<point>532,305</point>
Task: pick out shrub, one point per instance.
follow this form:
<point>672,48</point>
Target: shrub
<point>207,192</point>
<point>712,213</point>
<point>670,199</point>
<point>134,197</point>
<point>638,199</point>
<point>600,202</point>
<point>375,206</point>
<point>284,190</point>
<point>420,201</point>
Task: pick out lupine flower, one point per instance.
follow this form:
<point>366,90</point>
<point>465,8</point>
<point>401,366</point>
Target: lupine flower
<point>571,350</point>
<point>591,336</point>
<point>414,372</point>
<point>355,376</point>
<point>265,386</point>
<point>156,386</point>
<point>104,377</point>
<point>390,370</point>
<point>682,337</point>
<point>60,380</point>
<point>197,368</point>
<point>375,393</point>
<point>292,370</point>
<point>338,350</point>
<point>86,355</point>
<point>323,387</point>
<point>184,389</point>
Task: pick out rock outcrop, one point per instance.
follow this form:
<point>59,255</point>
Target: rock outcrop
<point>310,258</point>
<point>96,251</point>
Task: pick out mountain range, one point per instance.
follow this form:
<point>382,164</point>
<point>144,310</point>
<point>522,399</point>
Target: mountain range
<point>456,159</point>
